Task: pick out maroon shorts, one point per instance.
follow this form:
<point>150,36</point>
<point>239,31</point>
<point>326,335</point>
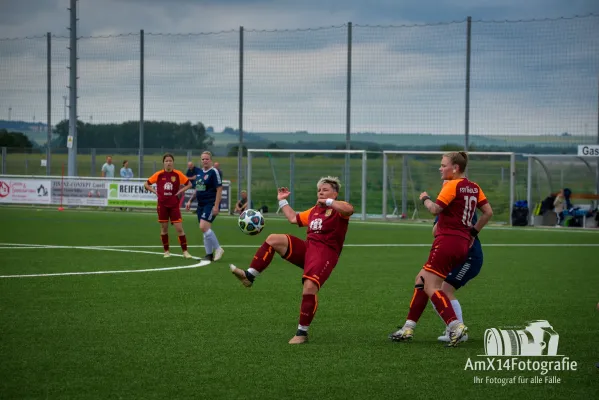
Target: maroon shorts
<point>316,259</point>
<point>447,253</point>
<point>165,213</point>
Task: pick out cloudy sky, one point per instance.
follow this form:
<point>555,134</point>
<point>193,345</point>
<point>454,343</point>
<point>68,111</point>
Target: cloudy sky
<point>534,77</point>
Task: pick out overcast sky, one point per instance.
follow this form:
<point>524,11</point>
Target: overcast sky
<point>530,77</point>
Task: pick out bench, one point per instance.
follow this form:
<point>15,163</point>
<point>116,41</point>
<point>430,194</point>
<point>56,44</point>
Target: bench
<point>581,211</point>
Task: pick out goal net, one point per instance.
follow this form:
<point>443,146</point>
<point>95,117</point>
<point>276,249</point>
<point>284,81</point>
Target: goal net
<point>300,170</point>
<point>409,173</point>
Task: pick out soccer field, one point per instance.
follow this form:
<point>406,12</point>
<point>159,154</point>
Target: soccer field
<point>196,332</point>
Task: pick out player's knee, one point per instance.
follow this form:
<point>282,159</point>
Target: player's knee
<point>277,241</point>
<point>448,290</point>
<point>419,280</point>
<point>310,287</point>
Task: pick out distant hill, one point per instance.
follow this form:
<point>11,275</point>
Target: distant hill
<point>36,131</point>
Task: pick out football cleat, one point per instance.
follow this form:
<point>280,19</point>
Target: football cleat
<point>445,337</point>
<point>456,333</point>
<point>167,254</point>
<point>218,253</point>
<point>241,275</point>
<point>186,254</point>
<point>299,339</point>
<point>403,334</point>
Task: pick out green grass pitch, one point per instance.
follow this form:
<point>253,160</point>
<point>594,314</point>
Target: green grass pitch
<point>197,333</point>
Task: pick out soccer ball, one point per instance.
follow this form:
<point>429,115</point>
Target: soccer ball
<point>251,222</point>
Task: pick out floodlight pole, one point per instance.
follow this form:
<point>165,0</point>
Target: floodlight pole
<point>72,157</point>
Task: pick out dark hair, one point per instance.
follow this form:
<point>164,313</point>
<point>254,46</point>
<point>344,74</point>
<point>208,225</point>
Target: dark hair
<point>124,162</point>
<point>459,158</point>
<point>168,155</point>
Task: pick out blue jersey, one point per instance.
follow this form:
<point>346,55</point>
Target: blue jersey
<point>195,171</point>
<point>206,184</point>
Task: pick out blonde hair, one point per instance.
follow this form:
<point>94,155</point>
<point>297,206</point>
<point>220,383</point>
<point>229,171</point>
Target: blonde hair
<point>459,158</point>
<point>331,180</point>
<point>207,152</point>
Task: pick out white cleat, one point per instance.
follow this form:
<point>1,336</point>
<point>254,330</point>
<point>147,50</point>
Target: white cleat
<point>445,337</point>
<point>457,331</point>
<point>186,254</point>
<point>218,253</point>
<point>167,254</point>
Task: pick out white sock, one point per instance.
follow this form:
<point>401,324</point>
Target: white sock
<point>458,309</point>
<point>253,271</point>
<point>212,238</point>
<point>303,328</point>
<point>409,324</point>
<point>207,242</point>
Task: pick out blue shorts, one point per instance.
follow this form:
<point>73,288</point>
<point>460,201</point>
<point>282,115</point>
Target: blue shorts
<point>462,274</point>
<point>205,213</point>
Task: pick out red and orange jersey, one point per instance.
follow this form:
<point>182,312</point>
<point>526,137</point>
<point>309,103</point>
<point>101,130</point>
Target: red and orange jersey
<point>325,225</point>
<point>167,186</point>
<point>459,199</point>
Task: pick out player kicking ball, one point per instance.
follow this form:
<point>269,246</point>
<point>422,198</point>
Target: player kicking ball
<point>327,224</point>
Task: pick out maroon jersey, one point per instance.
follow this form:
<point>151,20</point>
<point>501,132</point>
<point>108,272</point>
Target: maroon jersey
<point>459,198</point>
<point>167,186</point>
<point>325,226</point>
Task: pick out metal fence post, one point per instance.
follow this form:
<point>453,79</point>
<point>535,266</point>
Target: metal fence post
<point>348,114</point>
<point>240,123</point>
<point>3,160</point>
<point>467,108</point>
<point>72,163</point>
<point>141,104</point>
<point>49,102</point>
<point>92,168</point>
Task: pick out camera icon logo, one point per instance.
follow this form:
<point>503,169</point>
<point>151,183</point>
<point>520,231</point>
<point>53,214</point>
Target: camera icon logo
<point>538,338</point>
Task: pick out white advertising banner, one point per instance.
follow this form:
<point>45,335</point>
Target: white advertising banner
<point>80,192</point>
<point>26,191</point>
<point>588,150</point>
<point>130,194</point>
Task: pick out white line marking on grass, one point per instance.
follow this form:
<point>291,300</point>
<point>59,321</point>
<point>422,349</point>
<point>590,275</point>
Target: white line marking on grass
<point>33,246</point>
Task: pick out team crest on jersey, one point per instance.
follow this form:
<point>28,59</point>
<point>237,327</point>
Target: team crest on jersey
<point>205,176</point>
<point>173,179</point>
<point>328,212</point>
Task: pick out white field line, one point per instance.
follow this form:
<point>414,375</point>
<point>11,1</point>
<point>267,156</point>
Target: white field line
<point>29,247</point>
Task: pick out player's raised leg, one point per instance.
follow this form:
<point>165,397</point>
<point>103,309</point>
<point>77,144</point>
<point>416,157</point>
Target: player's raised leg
<point>289,247</point>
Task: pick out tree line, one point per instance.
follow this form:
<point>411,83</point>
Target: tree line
<point>157,134</point>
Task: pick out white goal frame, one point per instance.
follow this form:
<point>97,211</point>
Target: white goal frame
<point>404,186</point>
<point>251,152</point>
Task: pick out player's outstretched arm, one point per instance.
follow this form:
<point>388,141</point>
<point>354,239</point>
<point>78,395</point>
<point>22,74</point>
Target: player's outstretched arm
<point>341,207</point>
<point>282,195</point>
